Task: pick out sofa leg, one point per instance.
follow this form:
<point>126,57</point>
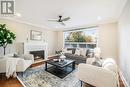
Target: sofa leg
<point>81,83</point>
<point>1,76</point>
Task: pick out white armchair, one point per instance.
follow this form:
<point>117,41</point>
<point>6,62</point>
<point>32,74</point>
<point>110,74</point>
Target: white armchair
<point>28,60</point>
<point>105,76</point>
<point>25,61</point>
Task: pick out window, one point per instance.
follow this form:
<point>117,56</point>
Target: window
<point>86,38</point>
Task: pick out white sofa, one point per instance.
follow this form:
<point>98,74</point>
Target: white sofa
<point>25,61</point>
<point>105,76</point>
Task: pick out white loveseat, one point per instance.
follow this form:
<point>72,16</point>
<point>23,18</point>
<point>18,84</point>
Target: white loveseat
<point>105,76</point>
<point>25,61</point>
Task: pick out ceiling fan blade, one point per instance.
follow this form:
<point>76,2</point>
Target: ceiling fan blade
<point>62,23</point>
<point>65,19</point>
<point>53,20</point>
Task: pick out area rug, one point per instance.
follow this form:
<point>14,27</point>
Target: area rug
<point>38,77</point>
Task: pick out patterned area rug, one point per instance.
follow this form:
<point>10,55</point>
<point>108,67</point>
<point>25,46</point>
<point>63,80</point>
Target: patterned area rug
<point>38,77</point>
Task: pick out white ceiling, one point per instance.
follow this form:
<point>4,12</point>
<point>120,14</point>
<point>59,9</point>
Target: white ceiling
<point>82,12</point>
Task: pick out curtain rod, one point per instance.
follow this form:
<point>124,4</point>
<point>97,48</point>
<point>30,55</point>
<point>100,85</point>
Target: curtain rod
<point>80,28</point>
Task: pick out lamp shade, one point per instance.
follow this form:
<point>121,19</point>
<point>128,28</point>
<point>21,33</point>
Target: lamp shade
<point>97,52</point>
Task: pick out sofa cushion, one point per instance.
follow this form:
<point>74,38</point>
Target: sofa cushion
<point>78,58</point>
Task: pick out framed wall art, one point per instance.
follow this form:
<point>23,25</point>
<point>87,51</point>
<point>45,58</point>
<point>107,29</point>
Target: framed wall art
<point>35,35</point>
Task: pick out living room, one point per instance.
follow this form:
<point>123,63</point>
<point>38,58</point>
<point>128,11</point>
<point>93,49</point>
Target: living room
<point>48,29</point>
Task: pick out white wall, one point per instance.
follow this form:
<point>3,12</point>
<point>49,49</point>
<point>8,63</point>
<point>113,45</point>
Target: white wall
<point>23,32</point>
<point>60,42</point>
<point>108,40</point>
<point>124,42</point>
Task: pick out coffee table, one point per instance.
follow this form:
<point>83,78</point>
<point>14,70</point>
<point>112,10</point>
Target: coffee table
<point>60,69</point>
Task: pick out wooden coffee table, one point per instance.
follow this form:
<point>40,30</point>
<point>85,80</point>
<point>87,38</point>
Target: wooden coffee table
<point>60,69</point>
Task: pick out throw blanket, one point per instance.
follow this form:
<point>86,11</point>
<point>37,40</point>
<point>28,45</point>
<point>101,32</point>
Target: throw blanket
<point>11,66</point>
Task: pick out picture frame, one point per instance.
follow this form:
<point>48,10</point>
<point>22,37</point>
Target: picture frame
<point>35,35</point>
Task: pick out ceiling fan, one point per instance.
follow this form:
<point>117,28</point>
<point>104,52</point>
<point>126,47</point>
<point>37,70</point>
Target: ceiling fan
<point>60,20</point>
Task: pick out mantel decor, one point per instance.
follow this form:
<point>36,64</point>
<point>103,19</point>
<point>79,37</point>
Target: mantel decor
<point>35,35</point>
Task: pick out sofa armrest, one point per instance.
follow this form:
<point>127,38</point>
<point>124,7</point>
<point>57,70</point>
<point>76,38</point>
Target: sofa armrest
<point>96,76</point>
<point>28,57</point>
<point>3,62</point>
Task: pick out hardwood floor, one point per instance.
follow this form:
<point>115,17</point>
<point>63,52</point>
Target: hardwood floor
<point>12,82</point>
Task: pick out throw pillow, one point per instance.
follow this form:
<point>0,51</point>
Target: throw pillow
<point>82,51</point>
<point>97,63</point>
<point>77,52</point>
<point>67,51</point>
<point>89,53</point>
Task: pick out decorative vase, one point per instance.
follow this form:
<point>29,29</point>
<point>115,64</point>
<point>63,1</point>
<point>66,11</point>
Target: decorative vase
<point>62,57</point>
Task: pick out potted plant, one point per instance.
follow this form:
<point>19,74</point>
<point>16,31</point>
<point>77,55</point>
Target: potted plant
<point>6,36</point>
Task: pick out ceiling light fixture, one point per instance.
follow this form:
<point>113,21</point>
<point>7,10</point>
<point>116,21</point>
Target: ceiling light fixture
<point>56,26</point>
<point>99,18</point>
<point>18,14</point>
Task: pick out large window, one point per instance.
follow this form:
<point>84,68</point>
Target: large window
<point>86,38</point>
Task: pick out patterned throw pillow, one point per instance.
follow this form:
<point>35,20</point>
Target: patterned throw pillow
<point>97,63</point>
<point>82,52</point>
<point>77,52</point>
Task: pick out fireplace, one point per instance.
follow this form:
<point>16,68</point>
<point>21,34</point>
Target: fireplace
<point>33,48</point>
<point>38,54</point>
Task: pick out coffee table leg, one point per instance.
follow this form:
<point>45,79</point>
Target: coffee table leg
<point>73,65</point>
<point>45,66</point>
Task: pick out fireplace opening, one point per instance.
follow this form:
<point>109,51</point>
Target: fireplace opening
<point>38,54</point>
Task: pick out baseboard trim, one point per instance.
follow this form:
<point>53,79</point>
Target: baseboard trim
<point>124,80</point>
<point>21,82</point>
